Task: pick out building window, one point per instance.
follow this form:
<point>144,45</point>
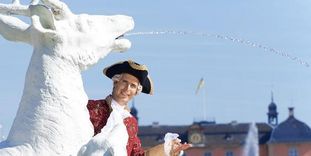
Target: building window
<point>293,152</point>
<point>208,154</point>
<point>229,153</point>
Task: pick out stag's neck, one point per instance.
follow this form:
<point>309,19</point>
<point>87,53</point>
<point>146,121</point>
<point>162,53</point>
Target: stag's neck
<point>54,75</point>
<point>52,106</point>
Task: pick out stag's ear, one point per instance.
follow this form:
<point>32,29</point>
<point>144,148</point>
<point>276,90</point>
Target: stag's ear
<point>45,14</point>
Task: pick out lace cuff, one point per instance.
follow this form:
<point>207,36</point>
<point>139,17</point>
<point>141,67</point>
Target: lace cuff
<point>168,143</point>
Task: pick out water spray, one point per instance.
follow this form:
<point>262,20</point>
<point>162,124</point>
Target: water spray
<point>229,38</point>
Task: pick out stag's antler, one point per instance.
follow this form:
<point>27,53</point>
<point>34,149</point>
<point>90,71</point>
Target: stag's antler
<point>14,29</point>
<point>18,9</point>
<point>14,8</point>
<point>60,9</point>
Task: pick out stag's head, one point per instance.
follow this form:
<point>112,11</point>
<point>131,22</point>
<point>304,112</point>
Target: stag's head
<point>82,38</point>
<point>98,31</point>
<point>91,37</point>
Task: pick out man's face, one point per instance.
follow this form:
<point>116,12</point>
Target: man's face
<point>125,89</point>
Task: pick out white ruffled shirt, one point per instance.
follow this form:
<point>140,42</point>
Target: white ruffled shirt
<point>115,130</point>
<point>120,109</point>
<point>112,139</point>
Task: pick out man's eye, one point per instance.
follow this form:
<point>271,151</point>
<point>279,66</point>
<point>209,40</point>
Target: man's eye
<point>123,83</point>
<point>133,86</point>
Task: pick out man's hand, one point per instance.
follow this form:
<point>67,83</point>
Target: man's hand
<point>173,145</point>
<point>178,147</point>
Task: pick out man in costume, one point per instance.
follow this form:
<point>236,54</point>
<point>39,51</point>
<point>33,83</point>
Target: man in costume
<point>115,129</point>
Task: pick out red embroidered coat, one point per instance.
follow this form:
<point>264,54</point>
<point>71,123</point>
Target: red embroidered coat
<point>100,111</point>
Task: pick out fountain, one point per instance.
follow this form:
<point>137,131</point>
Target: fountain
<point>1,135</point>
<point>251,147</point>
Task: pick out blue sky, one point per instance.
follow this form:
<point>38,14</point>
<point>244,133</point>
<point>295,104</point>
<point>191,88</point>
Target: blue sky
<point>238,78</point>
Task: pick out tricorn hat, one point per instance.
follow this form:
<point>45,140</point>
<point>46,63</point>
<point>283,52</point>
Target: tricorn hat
<point>133,68</point>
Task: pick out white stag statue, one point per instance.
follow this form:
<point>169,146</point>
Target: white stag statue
<point>52,118</point>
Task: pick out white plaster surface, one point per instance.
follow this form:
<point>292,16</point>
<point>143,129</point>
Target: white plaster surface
<point>52,118</point>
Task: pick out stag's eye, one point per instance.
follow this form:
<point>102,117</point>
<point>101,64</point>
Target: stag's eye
<point>120,36</point>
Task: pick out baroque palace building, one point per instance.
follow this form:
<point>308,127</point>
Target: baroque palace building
<point>291,137</point>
